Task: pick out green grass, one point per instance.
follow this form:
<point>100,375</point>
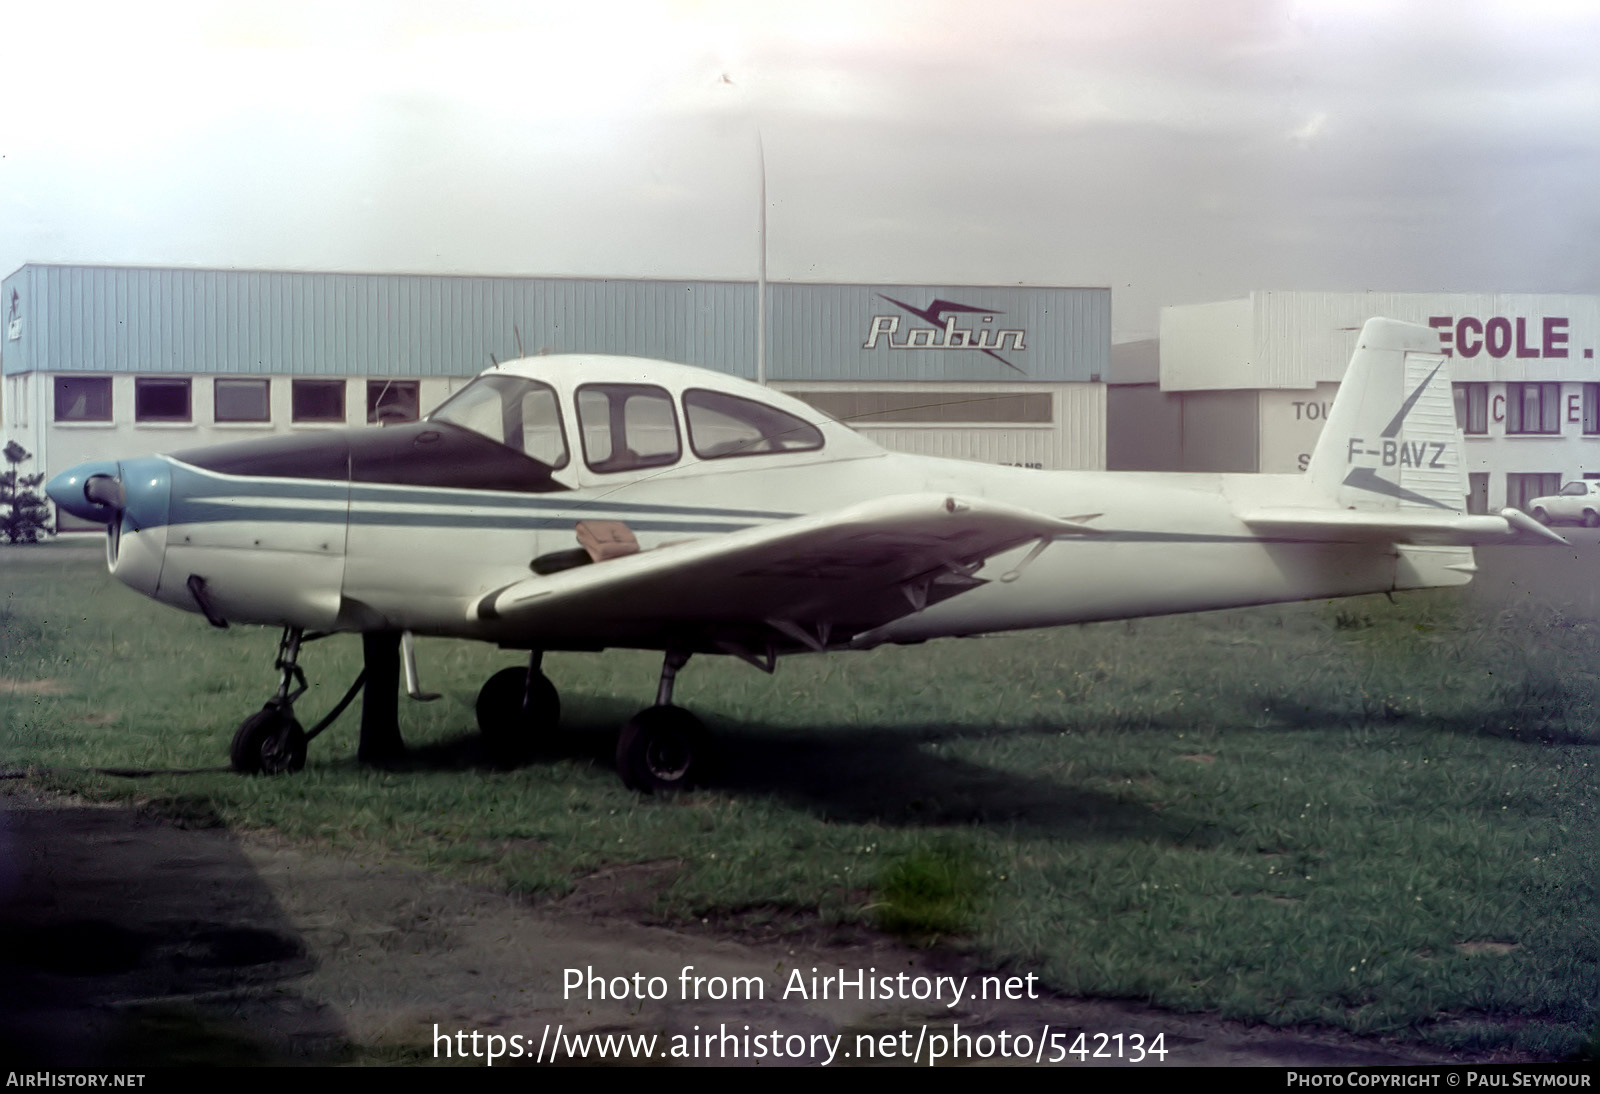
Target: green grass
<point>1374,816</point>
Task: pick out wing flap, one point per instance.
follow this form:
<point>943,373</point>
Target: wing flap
<point>1412,526</point>
<point>845,570</point>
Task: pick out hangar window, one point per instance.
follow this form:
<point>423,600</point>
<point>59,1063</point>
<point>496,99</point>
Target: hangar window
<point>935,407</point>
<point>317,400</point>
<point>520,414</point>
<point>726,425</point>
<point>1472,408</point>
<point>243,400</point>
<point>1533,408</point>
<point>392,401</point>
<point>627,426</point>
<point>1591,409</point>
<point>159,399</point>
<point>83,398</point>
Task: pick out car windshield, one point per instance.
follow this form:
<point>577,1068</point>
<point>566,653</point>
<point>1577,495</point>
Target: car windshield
<point>518,413</point>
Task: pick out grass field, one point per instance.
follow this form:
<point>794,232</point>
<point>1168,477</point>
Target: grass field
<point>1375,816</point>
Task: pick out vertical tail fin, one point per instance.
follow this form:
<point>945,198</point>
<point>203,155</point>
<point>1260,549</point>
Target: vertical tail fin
<point>1391,440</point>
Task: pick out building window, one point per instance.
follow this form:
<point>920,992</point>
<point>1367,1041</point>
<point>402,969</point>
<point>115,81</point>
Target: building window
<point>392,401</point>
<point>83,398</point>
<point>317,400</point>
<point>1521,489</point>
<point>160,399</point>
<point>894,407</point>
<point>17,401</point>
<point>1478,492</point>
<point>1591,409</point>
<point>1533,408</point>
<point>1472,408</point>
<point>243,400</point>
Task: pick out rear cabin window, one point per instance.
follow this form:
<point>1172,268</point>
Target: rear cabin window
<point>722,425</point>
<point>627,426</point>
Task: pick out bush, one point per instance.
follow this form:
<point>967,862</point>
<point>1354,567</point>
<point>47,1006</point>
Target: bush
<point>24,514</point>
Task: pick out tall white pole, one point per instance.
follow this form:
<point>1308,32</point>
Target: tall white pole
<point>761,266</point>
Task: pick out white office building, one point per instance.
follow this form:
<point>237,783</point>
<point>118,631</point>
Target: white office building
<point>1254,379</point>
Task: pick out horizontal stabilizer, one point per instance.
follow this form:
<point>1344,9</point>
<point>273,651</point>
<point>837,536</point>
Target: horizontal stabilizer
<point>1415,526</point>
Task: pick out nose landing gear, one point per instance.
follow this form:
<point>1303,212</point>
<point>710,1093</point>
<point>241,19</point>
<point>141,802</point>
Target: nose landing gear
<point>271,741</point>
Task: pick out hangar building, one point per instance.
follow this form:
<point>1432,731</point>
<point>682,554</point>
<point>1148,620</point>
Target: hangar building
<point>1253,379</point>
<point>103,361</point>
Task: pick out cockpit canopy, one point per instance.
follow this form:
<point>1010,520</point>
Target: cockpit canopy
<point>624,426</point>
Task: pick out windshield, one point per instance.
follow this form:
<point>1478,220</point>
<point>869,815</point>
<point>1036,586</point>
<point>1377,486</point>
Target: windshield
<point>520,414</point>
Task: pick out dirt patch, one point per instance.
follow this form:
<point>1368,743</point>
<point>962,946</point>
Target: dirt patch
<point>620,891</point>
<point>9,686</point>
<point>1487,947</point>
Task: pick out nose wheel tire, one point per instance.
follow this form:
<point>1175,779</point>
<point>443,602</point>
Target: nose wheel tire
<point>269,742</point>
<point>662,750</point>
<point>507,723</point>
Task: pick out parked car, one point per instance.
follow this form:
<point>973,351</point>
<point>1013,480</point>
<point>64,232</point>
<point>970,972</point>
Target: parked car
<point>1578,503</point>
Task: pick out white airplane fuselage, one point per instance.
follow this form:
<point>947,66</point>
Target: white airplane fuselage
<point>408,527</point>
<point>330,556</point>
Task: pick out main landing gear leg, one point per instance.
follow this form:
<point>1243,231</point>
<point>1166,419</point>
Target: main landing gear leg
<point>270,741</point>
<point>517,709</point>
<point>381,742</point>
<point>663,748</point>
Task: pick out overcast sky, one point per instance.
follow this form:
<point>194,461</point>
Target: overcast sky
<point>1178,152</point>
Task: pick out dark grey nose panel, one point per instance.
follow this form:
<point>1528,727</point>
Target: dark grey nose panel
<point>419,454</point>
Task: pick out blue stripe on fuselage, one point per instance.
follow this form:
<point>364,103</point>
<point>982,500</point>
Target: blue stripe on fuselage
<point>204,497</point>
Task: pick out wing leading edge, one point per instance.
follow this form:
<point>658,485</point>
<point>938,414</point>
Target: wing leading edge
<point>812,581</point>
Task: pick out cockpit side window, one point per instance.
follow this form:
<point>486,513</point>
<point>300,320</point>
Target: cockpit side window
<point>519,413</point>
<point>627,426</point>
<point>727,425</point>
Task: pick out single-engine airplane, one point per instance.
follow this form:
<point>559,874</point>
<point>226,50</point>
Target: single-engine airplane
<point>712,515</point>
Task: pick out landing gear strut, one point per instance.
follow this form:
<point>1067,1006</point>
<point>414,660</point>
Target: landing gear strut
<point>517,708</point>
<point>271,741</point>
<point>663,749</point>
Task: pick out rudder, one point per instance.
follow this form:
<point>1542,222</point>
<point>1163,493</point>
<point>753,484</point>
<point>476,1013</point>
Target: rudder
<point>1391,439</point>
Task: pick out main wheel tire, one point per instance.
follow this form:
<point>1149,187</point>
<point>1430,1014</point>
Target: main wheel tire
<point>508,726</point>
<point>1540,515</point>
<point>1591,519</point>
<point>662,750</point>
<point>269,742</point>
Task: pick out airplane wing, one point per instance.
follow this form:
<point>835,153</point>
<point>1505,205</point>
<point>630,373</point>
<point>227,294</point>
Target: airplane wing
<point>811,581</point>
<point>1414,526</point>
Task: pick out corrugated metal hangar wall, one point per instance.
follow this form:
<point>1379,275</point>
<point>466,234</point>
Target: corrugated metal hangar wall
<point>103,360</point>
